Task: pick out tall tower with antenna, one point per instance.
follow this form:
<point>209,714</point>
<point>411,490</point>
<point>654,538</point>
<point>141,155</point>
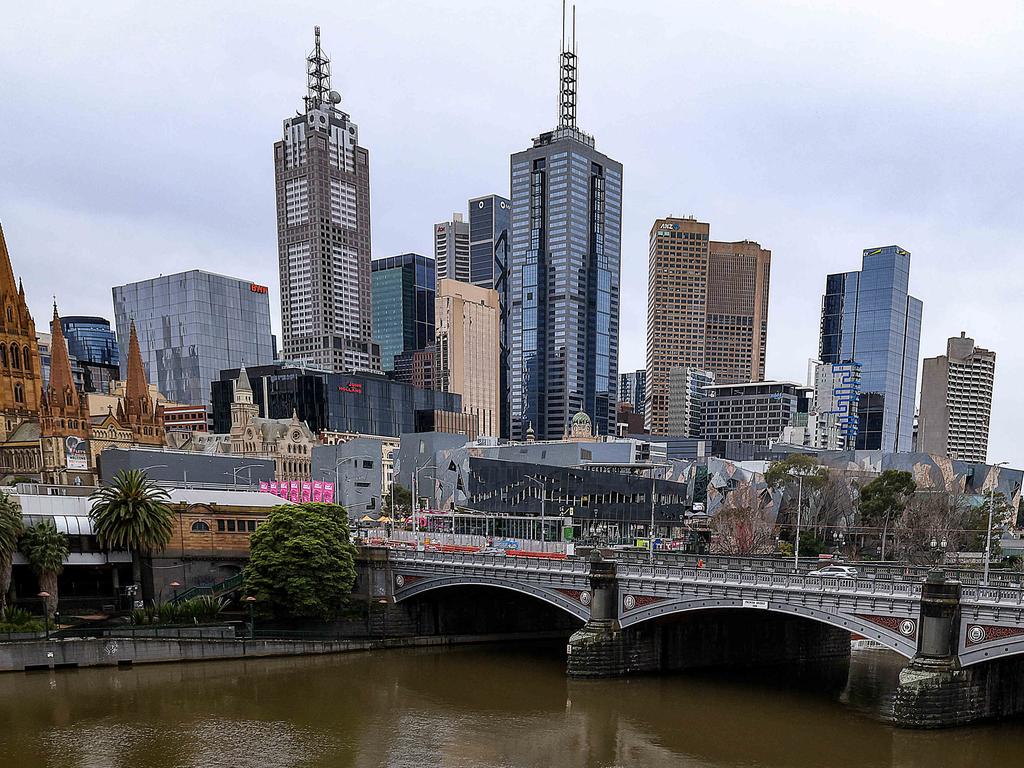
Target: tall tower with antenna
<point>322,179</point>
<point>564,275</point>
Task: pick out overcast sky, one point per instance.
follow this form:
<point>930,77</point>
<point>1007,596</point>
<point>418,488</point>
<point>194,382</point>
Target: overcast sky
<point>135,141</point>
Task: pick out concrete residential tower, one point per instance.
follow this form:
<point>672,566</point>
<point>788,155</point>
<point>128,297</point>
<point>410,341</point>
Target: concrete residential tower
<point>564,292</point>
<point>451,248</point>
<point>956,401</point>
<point>323,232</point>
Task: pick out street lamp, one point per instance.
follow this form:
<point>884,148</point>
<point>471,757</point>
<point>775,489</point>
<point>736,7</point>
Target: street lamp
<point>991,508</point>
<point>937,548</point>
<point>236,470</point>
<point>251,601</point>
<point>839,541</point>
<point>174,585</point>
<point>45,596</point>
<point>799,504</point>
<point>543,509</point>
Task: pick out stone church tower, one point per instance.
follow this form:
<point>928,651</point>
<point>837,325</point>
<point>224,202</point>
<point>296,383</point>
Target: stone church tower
<point>136,411</point>
<point>20,374</point>
<point>64,422</point>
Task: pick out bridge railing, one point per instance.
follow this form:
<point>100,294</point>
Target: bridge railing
<point>496,561</point>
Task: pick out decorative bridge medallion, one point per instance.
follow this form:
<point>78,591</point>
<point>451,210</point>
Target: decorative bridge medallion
<point>632,602</point>
<point>902,626</point>
<point>986,633</point>
<point>582,596</point>
<point>401,580</point>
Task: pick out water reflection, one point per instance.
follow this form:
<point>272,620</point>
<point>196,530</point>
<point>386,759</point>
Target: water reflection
<point>479,706</point>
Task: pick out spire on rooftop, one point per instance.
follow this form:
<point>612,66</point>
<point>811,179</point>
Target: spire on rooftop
<point>567,75</point>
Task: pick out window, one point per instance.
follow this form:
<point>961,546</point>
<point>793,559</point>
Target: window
<point>231,526</point>
<point>221,525</point>
<point>200,527</point>
<point>250,525</point>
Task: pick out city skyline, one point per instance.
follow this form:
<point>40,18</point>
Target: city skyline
<point>849,161</point>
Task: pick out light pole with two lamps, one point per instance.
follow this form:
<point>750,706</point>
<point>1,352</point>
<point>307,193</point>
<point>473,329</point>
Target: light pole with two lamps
<point>991,509</point>
<point>234,474</point>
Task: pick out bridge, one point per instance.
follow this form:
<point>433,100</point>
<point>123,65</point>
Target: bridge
<point>964,640</point>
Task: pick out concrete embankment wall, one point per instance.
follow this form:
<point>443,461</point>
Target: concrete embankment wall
<point>124,651</point>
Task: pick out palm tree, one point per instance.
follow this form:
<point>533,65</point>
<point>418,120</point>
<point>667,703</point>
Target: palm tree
<point>132,513</point>
<point>11,529</point>
<point>46,549</point>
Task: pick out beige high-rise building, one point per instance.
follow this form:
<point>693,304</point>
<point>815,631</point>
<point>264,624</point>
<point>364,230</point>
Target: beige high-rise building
<point>707,309</point>
<point>467,319</point>
<point>956,401</point>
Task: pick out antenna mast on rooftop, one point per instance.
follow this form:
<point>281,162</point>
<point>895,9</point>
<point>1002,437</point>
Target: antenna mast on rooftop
<point>567,75</point>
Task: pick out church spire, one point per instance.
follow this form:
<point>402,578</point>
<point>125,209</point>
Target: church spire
<point>7,285</point>
<point>136,388</point>
<point>62,383</point>
<point>567,75</point>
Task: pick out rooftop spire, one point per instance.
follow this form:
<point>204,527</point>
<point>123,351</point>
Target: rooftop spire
<point>136,388</point>
<point>62,384</point>
<point>7,284</point>
<point>318,74</point>
<point>567,75</point>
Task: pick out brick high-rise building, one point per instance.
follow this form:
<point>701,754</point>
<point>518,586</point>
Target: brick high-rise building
<point>707,309</point>
<point>323,231</point>
<point>956,401</point>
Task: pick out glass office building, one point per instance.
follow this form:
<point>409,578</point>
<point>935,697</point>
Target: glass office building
<point>192,325</point>
<point>367,404</point>
<point>869,318</point>
<point>403,305</point>
<point>490,226</point>
<point>90,340</point>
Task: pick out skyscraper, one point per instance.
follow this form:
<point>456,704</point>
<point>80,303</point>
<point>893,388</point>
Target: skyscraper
<point>707,309</point>
<point>688,390</point>
<point>323,226</point>
<point>956,401</point>
<point>490,226</point>
<point>468,353</point>
<point>403,306</point>
<point>451,248</point>
<point>633,389</point>
<point>869,317</point>
<point>737,311</point>
<point>191,326</point>
<point>93,348</point>
<point>564,290</point>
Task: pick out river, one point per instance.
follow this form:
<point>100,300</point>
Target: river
<point>463,708</point>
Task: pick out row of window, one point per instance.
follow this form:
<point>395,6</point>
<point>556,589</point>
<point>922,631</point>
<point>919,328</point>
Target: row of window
<point>226,525</point>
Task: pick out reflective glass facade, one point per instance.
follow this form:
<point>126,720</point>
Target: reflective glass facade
<point>564,284</point>
<point>490,228</point>
<point>192,325</point>
<point>90,340</point>
<point>404,289</point>
<point>868,317</point>
<point>363,403</point>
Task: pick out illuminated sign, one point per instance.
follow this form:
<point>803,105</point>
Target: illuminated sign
<point>256,288</point>
<point>353,386</point>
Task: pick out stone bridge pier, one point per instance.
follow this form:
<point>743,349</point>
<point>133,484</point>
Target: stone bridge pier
<point>935,690</point>
<point>717,634</point>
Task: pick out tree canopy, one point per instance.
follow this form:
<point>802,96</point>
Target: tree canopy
<point>887,494</point>
<point>10,531</point>
<point>46,548</point>
<point>403,501</point>
<point>132,513</point>
<point>301,562</point>
<point>787,471</point>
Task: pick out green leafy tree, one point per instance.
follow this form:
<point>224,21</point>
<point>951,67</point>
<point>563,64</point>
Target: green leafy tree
<point>132,513</point>
<point>302,562</point>
<point>885,496</point>
<point>786,473</point>
<point>402,501</point>
<point>46,549</point>
<point>10,531</point>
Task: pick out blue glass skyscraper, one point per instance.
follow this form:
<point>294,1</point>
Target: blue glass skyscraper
<point>564,277</point>
<point>403,305</point>
<point>869,317</point>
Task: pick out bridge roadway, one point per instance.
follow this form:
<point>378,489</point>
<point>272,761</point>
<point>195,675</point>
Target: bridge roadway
<point>885,607</point>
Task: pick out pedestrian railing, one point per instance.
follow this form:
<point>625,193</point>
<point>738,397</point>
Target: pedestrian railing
<point>213,590</point>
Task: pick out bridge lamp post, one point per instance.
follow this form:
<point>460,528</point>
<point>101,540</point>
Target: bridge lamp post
<point>416,496</point>
<point>543,509</point>
<point>799,508</point>
<point>991,509</point>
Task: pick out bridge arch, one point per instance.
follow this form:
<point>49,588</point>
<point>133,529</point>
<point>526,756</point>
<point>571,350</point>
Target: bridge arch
<point>905,646</point>
<point>551,596</point>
